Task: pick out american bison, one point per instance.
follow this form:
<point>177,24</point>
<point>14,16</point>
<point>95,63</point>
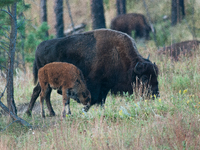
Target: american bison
<point>185,48</point>
<point>67,78</point>
<point>131,22</point>
<point>105,57</point>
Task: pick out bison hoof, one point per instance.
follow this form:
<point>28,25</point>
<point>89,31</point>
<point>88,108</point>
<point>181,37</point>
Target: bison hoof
<point>52,114</point>
<point>28,112</point>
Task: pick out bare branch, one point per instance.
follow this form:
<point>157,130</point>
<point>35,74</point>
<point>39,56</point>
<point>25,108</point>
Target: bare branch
<point>15,117</point>
<point>8,9</point>
<point>7,12</point>
<point>70,15</point>
<point>4,67</point>
<point>3,91</point>
<point>5,50</point>
<point>9,125</point>
<point>4,34</point>
<point>5,44</point>
<point>4,28</point>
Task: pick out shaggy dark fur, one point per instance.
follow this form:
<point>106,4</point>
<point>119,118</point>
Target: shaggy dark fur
<point>131,22</point>
<point>106,57</point>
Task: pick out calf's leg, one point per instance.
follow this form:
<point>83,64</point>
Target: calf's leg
<point>66,102</point>
<point>48,102</point>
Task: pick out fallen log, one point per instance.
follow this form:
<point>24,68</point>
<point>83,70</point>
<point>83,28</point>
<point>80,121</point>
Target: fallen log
<point>77,29</point>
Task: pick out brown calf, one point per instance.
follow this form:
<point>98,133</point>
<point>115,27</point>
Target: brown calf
<point>67,78</point>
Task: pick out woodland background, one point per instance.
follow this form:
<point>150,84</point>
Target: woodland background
<point>128,122</point>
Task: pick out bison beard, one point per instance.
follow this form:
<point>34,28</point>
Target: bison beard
<point>106,58</point>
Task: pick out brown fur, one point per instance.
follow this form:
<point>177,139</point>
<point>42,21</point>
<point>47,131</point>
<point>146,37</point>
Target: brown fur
<point>131,22</point>
<point>107,58</point>
<point>68,79</point>
<point>175,50</point>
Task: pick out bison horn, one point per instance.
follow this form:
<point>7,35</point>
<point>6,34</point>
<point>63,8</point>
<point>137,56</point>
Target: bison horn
<point>148,56</point>
<point>135,69</point>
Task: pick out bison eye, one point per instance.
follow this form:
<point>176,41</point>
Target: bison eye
<point>84,95</point>
<point>78,81</point>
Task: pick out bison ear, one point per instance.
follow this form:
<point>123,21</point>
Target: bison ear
<point>140,68</point>
<point>148,57</point>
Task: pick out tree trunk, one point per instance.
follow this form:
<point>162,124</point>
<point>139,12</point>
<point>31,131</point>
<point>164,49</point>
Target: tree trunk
<point>174,12</point>
<point>121,7</point>
<point>11,60</point>
<point>182,7</point>
<point>97,13</point>
<point>43,13</point>
<point>58,9</point>
<point>177,11</point>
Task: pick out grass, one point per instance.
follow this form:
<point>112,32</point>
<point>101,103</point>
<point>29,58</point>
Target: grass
<point>128,122</point>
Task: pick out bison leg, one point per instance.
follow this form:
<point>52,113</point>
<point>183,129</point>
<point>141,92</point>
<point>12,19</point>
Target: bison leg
<point>48,102</point>
<point>42,96</point>
<point>36,92</point>
<point>66,102</point>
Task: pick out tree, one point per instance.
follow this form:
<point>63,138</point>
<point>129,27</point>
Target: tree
<point>97,13</point>
<point>11,59</point>
<point>12,12</point>
<point>58,9</point>
<point>121,7</point>
<point>43,13</point>
<point>177,11</point>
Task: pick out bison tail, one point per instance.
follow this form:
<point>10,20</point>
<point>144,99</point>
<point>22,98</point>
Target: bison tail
<point>35,72</point>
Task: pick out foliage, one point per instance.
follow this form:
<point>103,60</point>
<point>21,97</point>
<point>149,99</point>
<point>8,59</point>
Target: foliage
<point>7,2</point>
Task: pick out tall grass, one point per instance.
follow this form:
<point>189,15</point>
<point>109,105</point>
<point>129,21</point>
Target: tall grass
<point>128,122</point>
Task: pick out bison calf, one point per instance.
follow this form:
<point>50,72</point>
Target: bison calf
<point>131,22</point>
<point>67,78</point>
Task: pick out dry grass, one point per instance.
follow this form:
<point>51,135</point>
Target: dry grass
<point>169,122</point>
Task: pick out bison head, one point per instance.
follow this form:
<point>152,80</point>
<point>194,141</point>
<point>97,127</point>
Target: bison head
<point>147,74</point>
<point>83,94</point>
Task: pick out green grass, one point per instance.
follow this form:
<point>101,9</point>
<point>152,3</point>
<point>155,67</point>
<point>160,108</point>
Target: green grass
<point>128,122</point>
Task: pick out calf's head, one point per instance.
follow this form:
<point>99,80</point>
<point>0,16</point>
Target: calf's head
<point>80,92</point>
<point>147,73</point>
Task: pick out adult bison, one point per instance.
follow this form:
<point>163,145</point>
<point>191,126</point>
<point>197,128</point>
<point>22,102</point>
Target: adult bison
<point>175,50</point>
<point>131,22</point>
<point>105,57</point>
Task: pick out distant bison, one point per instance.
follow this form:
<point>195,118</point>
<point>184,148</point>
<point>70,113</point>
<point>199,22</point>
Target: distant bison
<point>176,49</point>
<point>131,22</point>
<point>67,78</point>
<point>106,58</point>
